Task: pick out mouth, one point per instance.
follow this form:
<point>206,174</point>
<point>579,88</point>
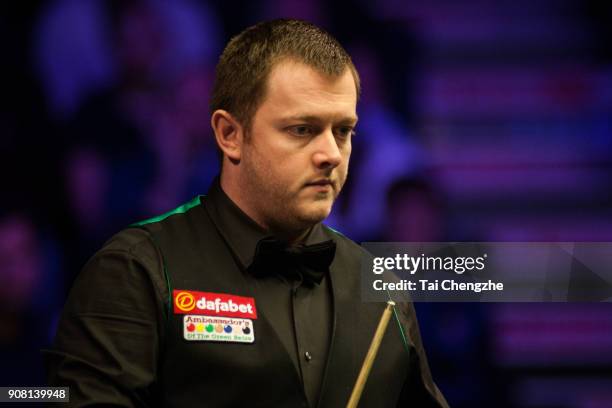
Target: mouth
<point>323,184</point>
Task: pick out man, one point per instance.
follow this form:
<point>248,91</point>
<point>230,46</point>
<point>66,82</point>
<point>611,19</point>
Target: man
<point>242,297</point>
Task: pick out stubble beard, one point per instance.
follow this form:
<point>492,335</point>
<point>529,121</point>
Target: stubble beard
<point>278,207</point>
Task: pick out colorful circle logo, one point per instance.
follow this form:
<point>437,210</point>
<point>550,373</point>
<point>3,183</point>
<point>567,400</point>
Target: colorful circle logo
<point>184,301</point>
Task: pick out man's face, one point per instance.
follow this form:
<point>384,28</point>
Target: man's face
<point>295,159</point>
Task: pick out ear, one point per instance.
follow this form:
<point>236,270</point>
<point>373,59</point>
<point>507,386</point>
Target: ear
<point>228,133</point>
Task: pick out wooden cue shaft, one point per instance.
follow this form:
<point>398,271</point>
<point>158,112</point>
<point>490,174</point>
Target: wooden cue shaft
<point>371,356</point>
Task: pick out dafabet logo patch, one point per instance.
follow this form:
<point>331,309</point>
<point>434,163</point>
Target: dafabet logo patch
<point>213,304</point>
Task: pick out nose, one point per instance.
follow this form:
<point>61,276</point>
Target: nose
<point>327,154</point>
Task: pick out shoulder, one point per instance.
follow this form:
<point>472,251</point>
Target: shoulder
<point>139,238</point>
<point>180,226</point>
<point>135,255</point>
<point>139,248</point>
<point>128,257</point>
<point>134,241</point>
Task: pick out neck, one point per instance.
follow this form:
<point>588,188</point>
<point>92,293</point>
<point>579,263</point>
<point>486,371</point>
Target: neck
<point>290,236</point>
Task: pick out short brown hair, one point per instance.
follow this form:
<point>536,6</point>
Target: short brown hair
<point>246,62</point>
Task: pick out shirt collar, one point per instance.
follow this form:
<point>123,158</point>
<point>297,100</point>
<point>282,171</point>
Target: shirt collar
<point>239,231</point>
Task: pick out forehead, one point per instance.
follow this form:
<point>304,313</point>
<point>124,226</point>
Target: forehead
<point>294,88</point>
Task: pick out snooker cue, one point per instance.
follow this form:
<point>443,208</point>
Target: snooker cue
<point>371,356</point>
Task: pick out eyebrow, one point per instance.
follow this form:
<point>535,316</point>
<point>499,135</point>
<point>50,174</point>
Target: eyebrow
<point>314,118</point>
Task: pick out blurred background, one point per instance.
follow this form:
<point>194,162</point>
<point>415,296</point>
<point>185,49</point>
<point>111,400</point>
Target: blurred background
<point>479,121</point>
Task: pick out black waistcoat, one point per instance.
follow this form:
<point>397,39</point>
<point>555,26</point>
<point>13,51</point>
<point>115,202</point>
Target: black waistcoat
<point>261,374</point>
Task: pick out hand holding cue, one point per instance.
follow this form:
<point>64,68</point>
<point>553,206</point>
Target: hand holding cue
<point>371,356</point>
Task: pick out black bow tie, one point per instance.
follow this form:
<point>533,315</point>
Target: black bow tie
<point>273,257</point>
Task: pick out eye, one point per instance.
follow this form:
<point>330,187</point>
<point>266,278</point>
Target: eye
<point>301,130</point>
<point>344,132</point>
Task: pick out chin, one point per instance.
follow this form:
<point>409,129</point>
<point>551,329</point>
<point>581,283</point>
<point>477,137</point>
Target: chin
<point>315,215</point>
